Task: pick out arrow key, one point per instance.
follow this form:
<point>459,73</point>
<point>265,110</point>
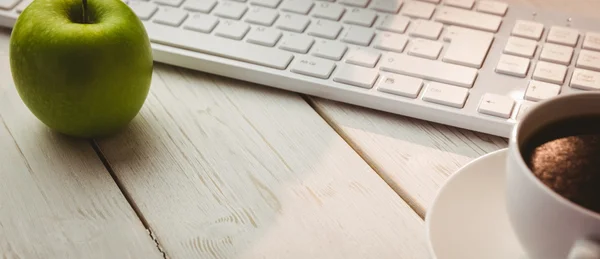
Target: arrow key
<point>538,91</point>
<point>496,105</point>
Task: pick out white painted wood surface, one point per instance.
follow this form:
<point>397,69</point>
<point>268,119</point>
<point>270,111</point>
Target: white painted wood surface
<point>416,157</point>
<point>225,169</point>
<point>57,200</point>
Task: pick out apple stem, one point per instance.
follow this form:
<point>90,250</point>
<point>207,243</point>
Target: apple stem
<point>85,16</point>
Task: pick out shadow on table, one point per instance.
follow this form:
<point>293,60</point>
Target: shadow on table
<point>398,128</point>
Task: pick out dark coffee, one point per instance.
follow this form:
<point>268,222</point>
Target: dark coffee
<point>565,156</point>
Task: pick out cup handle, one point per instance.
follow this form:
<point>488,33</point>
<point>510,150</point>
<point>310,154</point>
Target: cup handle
<point>585,249</point>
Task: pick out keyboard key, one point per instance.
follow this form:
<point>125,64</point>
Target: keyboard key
<point>520,47</point>
<point>357,3</point>
<point>261,16</point>
<point>589,60</point>
<point>328,11</point>
<point>469,19</point>
<point>466,4</point>
<point>427,29</point>
<point>496,105</point>
<point>400,85</point>
<point>173,3</point>
<point>563,35</point>
<point>592,41</point>
<point>363,57</point>
<point>265,3</point>
<point>293,22</point>
<point>332,50</point>
<point>428,69</point>
<point>143,10</point>
<point>585,79</point>
<point>201,23</point>
<point>425,48</point>
<point>170,16</point>
<point>314,67</point>
<point>548,72</point>
<point>232,30</point>
<point>444,94</point>
<point>356,76</point>
<point>393,23</point>
<point>297,6</point>
<point>358,35</point>
<point>231,10</point>
<point>296,43</point>
<point>204,6</point>
<point>470,50</point>
<point>218,46</point>
<point>492,7</point>
<point>524,108</point>
<point>538,91</point>
<point>361,17</point>
<point>512,65</point>
<point>325,29</point>
<point>453,31</point>
<point>386,6</point>
<point>264,36</point>
<point>556,54</point>
<point>432,1</point>
<point>527,29</point>
<point>390,42</point>
<point>418,10</point>
<point>8,4</point>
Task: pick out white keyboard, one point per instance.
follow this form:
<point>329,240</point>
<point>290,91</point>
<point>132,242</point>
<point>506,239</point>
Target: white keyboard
<point>478,65</point>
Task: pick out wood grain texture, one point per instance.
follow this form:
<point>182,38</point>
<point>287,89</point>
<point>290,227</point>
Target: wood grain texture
<point>225,169</point>
<point>416,157</point>
<point>57,200</point>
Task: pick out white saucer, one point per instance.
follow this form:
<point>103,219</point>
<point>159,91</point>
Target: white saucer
<point>468,217</point>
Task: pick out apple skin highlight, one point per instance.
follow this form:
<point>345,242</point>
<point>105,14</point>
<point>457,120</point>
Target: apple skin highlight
<point>81,78</point>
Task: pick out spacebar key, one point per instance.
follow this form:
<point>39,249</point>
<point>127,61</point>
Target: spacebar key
<point>429,69</point>
<point>222,47</point>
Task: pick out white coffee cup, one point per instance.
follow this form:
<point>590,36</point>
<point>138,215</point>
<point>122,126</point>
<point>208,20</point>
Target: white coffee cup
<point>548,225</point>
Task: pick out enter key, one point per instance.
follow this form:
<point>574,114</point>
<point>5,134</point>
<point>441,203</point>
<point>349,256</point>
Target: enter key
<point>468,47</point>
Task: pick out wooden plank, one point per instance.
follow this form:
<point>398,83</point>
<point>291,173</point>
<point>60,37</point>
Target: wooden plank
<point>224,169</point>
<point>57,200</point>
<point>416,157</point>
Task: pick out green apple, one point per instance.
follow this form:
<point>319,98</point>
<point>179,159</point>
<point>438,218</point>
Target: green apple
<point>83,68</point>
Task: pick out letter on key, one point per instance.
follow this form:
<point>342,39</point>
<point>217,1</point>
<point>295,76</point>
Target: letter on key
<point>512,65</point>
<point>520,47</point>
<point>528,29</point>
<point>585,79</point>
<point>548,72</point>
<point>589,60</point>
<point>400,85</point>
<point>592,41</point>
<point>444,94</point>
<point>315,67</point>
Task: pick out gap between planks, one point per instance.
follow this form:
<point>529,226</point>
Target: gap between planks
<point>357,149</point>
<point>127,196</point>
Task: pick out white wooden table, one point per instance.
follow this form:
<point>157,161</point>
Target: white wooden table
<point>219,168</point>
